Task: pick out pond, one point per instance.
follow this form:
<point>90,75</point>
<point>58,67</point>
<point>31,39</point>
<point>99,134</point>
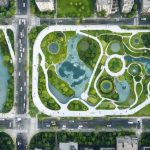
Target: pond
<point>73,70</point>
<point>54,48</point>
<point>144,61</point>
<point>136,41</point>
<point>106,86</point>
<point>4,77</point>
<point>123,89</point>
<point>115,47</point>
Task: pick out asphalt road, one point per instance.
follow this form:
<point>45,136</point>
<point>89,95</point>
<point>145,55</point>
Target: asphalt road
<point>88,124</point>
<point>91,21</point>
<point>22,123</point>
<point>21,64</point>
<point>71,21</point>
<point>6,123</point>
<point>22,7</point>
<point>21,74</point>
<point>146,123</point>
<point>21,143</point>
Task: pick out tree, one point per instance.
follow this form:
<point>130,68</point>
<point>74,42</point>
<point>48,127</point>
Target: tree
<point>102,13</point>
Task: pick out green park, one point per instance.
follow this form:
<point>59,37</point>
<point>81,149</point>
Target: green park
<point>94,68</point>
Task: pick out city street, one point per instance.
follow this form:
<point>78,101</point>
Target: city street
<point>21,143</point>
<point>21,54</point>
<point>21,73</point>
<point>6,123</point>
<point>92,124</point>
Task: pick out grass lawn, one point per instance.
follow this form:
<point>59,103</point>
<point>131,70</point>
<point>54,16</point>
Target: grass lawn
<point>131,27</point>
<point>136,40</point>
<point>88,51</point>
<point>143,112</point>
<point>93,100</point>
<point>106,105</point>
<point>59,84</point>
<point>77,106</point>
<point>115,65</point>
<point>75,8</point>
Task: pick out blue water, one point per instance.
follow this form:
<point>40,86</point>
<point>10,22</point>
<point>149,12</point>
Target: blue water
<point>106,86</point>
<point>144,61</point>
<point>73,70</point>
<point>115,47</point>
<point>53,47</point>
<point>123,89</point>
<point>4,77</point>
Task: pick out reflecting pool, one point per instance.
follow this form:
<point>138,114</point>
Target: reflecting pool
<point>115,47</point>
<point>4,77</point>
<point>123,89</point>
<point>73,70</point>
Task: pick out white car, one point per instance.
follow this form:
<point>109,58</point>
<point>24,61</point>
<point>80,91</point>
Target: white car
<point>48,125</point>
<point>24,105</point>
<point>109,126</point>
<point>9,124</point>
<point>25,83</point>
<point>23,49</point>
<point>19,21</point>
<point>64,127</point>
<point>80,126</point>
<point>19,60</point>
<point>21,34</point>
<point>21,88</point>
<point>24,4</point>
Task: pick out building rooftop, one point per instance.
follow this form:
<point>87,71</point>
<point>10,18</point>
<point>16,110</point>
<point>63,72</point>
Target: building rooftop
<point>127,143</point>
<point>3,2</point>
<point>45,5</point>
<point>110,6</point>
<point>146,6</point>
<point>146,2</point>
<point>107,148</point>
<point>43,0</point>
<point>104,2</point>
<point>68,146</point>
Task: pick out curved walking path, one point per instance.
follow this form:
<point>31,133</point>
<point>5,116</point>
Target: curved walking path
<point>64,112</point>
<point>10,47</point>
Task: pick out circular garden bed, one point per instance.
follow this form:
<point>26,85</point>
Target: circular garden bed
<point>106,86</point>
<point>135,69</point>
<point>115,65</point>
